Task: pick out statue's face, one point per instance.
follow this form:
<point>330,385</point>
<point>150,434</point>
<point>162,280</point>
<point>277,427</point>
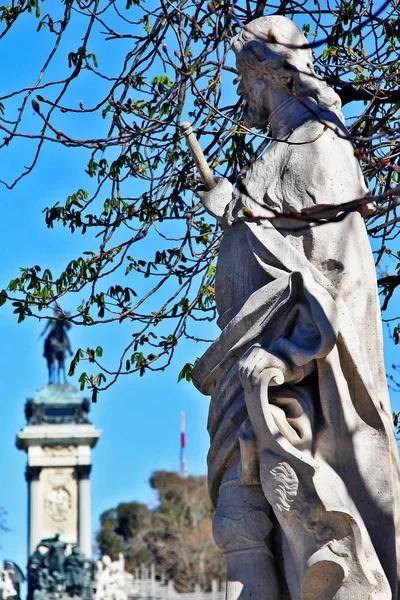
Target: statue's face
<point>255,91</point>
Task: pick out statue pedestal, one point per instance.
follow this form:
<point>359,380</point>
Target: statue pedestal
<point>58,439</point>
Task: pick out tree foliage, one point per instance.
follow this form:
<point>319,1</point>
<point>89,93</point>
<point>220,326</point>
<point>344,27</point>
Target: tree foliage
<point>122,529</point>
<point>153,249</point>
<point>176,535</point>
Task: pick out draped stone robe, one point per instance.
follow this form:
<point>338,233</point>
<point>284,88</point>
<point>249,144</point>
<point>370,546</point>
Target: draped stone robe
<point>316,432</point>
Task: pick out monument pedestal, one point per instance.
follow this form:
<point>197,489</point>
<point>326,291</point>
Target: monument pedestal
<point>58,439</point>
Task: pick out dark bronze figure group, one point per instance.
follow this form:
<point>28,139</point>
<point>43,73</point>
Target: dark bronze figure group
<point>54,574</point>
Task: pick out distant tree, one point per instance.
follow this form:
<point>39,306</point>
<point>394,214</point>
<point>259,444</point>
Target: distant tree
<point>181,537</point>
<point>176,535</point>
<point>122,530</point>
<point>171,62</point>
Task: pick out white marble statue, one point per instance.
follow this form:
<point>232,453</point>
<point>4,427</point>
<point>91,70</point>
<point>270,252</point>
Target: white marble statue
<point>110,579</point>
<point>303,465</point>
<point>7,589</point>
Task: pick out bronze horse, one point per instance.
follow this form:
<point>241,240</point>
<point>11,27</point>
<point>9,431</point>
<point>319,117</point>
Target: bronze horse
<point>55,346</point>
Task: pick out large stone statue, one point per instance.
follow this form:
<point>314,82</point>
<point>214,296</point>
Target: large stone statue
<point>303,465</point>
<point>111,579</point>
<point>11,577</point>
<point>56,345</point>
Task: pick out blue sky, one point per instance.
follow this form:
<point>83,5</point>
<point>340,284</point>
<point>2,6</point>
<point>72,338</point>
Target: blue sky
<point>140,417</point>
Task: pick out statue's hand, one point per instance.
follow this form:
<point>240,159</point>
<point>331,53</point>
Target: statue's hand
<point>216,200</point>
<point>254,363</point>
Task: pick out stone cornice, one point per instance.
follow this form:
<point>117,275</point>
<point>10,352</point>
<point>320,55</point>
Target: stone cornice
<point>45,435</point>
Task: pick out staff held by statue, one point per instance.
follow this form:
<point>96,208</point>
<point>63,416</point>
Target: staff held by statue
<point>205,172</point>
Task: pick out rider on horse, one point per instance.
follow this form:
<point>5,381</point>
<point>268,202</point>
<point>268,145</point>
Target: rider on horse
<point>55,346</point>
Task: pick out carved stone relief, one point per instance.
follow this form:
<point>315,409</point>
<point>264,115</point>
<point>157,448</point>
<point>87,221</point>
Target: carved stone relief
<point>59,450</point>
<point>59,506</point>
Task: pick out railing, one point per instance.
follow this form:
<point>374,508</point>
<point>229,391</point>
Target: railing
<point>146,584</point>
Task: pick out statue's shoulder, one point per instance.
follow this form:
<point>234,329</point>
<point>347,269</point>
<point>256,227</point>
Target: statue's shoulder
<point>321,159</point>
<point>320,144</point>
<point>317,133</point>
<point>267,165</point>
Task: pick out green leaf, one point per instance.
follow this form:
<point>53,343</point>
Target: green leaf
<point>210,270</point>
<point>186,372</point>
<point>82,381</point>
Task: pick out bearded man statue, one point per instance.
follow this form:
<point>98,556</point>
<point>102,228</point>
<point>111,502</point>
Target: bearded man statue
<point>303,467</point>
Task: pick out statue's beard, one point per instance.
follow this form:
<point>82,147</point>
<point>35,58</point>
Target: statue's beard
<point>255,118</point>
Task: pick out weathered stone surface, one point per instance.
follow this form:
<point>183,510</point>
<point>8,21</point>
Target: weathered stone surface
<point>303,464</point>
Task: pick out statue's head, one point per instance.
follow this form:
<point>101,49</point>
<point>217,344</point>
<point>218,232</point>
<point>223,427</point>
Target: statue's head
<point>271,56</point>
<point>106,560</point>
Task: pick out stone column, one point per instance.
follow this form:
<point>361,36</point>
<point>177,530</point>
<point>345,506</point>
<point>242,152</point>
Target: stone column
<point>34,507</point>
<point>84,510</point>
